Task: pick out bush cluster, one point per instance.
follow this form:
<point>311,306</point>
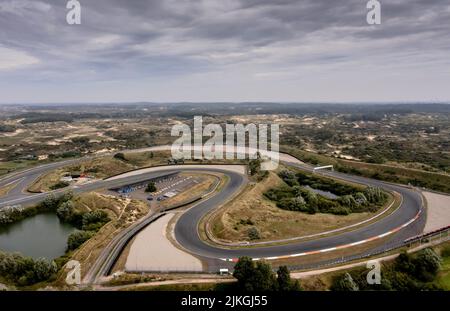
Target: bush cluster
<point>258,276</point>
<point>407,272</point>
<point>88,223</point>
<point>24,270</point>
<point>294,196</point>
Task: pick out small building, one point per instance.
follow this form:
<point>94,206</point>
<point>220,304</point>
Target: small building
<point>224,271</point>
<point>66,179</point>
<point>170,194</point>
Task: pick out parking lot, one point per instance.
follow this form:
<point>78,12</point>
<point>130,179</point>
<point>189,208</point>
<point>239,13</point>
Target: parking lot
<point>167,187</point>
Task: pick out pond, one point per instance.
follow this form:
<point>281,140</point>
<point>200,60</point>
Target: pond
<point>39,236</point>
<point>325,194</point>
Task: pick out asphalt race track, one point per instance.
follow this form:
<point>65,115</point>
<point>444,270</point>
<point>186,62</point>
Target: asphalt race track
<point>407,221</point>
<point>410,208</point>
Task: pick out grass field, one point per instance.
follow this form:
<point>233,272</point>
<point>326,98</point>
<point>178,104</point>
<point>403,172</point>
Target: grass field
<point>10,166</point>
<point>430,180</point>
<point>443,279</point>
<point>122,214</point>
<point>100,168</point>
<point>252,209</point>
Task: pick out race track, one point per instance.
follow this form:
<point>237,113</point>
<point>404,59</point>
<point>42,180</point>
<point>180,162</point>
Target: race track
<point>407,221</point>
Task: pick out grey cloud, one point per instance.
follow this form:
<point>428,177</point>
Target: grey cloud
<point>122,40</point>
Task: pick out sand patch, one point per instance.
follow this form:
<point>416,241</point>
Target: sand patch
<point>152,251</point>
<point>438,215</point>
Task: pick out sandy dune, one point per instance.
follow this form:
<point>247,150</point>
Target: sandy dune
<point>152,251</point>
<point>438,215</point>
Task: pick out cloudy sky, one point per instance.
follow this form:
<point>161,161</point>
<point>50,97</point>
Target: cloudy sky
<point>224,50</point>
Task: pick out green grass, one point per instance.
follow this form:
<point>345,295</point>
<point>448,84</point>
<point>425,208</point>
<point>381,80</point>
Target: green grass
<point>443,279</point>
<point>10,166</point>
<point>430,180</point>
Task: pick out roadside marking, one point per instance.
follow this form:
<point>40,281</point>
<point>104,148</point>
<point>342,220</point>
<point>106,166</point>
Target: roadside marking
<point>14,181</point>
<point>384,234</point>
<point>328,250</point>
<point>336,247</point>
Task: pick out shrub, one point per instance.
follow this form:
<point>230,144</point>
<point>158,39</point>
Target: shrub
<point>348,201</point>
<point>253,276</point>
<point>82,140</point>
<point>254,234</point>
<point>427,264</point>
<point>24,270</point>
<point>340,210</point>
<point>50,203</point>
<point>446,252</point>
<point>294,197</point>
<point>65,211</point>
<point>93,220</point>
<point>247,221</point>
<point>284,281</point>
<point>7,128</point>
<point>59,185</point>
<point>344,283</point>
<point>375,195</point>
<point>120,156</point>
<point>151,187</point>
<point>77,238</point>
<point>254,166</point>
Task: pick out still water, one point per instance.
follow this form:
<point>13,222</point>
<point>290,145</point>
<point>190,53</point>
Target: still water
<point>39,236</point>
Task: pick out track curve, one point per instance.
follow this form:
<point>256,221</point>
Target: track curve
<point>406,221</point>
<point>186,229</point>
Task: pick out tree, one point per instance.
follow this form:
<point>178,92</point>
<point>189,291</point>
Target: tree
<point>404,263</point>
<point>44,269</point>
<point>93,220</point>
<point>77,238</point>
<point>298,203</point>
<point>254,234</point>
<point>24,270</point>
<point>243,271</point>
<point>427,264</point>
<point>120,156</point>
<point>263,278</point>
<point>151,187</point>
<point>360,198</point>
<point>374,194</point>
<point>348,201</point>
<point>83,140</point>
<point>284,281</point>
<point>286,174</point>
<point>254,277</point>
<point>254,166</point>
<point>345,283</point>
<point>65,211</point>
<point>289,178</point>
<point>50,203</point>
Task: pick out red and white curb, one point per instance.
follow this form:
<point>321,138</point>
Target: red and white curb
<point>334,248</point>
